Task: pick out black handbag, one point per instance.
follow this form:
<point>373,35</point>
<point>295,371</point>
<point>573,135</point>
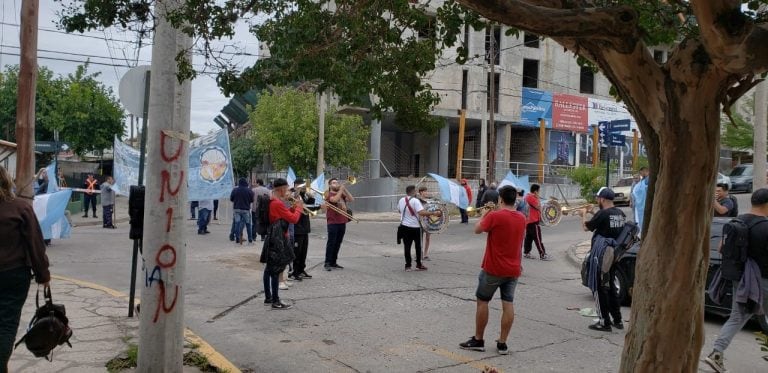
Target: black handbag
<point>48,328</point>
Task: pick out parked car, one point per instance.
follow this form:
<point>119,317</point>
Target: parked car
<point>741,178</point>
<point>622,189</point>
<point>722,179</point>
<point>625,275</point>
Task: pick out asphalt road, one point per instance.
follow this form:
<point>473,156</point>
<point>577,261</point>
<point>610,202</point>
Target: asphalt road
<point>374,317</point>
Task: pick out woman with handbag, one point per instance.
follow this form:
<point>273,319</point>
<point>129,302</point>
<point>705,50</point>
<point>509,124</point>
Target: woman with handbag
<point>21,247</point>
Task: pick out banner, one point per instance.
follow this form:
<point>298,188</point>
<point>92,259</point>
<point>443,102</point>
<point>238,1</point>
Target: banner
<point>318,184</point>
<point>210,173</point>
<point>536,103</point>
<point>569,113</point>
<point>562,148</point>
<point>53,185</point>
<point>520,183</point>
<point>451,191</point>
<point>210,167</point>
<point>49,209</point>
<point>606,111</point>
<point>291,178</point>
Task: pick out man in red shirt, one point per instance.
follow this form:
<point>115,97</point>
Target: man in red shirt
<point>278,213</point>
<point>463,212</point>
<point>339,196</point>
<point>501,267</point>
<point>533,227</point>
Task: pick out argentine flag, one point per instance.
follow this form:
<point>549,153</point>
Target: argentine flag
<point>522,182</point>
<point>318,184</point>
<point>53,180</point>
<point>451,191</point>
<point>49,209</point>
<point>291,177</point>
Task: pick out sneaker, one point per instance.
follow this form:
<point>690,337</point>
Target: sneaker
<point>528,256</point>
<point>232,237</point>
<point>280,306</point>
<point>715,360</point>
<point>600,327</point>
<point>426,259</point>
<point>85,216</point>
<point>546,257</point>
<point>421,268</point>
<point>283,286</point>
<point>336,266</point>
<point>268,302</point>
<point>296,277</point>
<point>407,268</point>
<point>501,347</point>
<point>618,325</point>
<point>305,274</point>
<point>328,267</point>
<point>473,344</point>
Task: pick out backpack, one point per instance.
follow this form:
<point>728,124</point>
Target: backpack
<point>735,211</point>
<point>734,247</point>
<point>262,213</point>
<point>48,328</point>
<point>523,207</point>
<point>277,251</point>
<point>626,238</point>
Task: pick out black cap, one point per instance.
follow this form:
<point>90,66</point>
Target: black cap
<point>279,182</point>
<point>605,193</point>
<point>299,181</point>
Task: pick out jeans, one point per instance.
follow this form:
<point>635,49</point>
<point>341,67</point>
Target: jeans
<point>333,245</point>
<point>738,318</point>
<point>271,284</point>
<point>242,219</point>
<point>202,220</point>
<point>412,235</point>
<point>192,208</point>
<point>89,200</point>
<point>300,248</point>
<point>106,216</point>
<point>488,283</point>
<point>14,286</point>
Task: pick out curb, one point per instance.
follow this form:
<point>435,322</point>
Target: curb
<point>570,253</point>
<point>215,358</point>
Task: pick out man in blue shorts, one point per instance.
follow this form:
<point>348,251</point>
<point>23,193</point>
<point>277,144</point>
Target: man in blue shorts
<point>501,267</point>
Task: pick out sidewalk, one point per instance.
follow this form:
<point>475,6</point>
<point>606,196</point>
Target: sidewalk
<point>101,331</point>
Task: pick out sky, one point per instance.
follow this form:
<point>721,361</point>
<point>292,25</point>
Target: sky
<point>62,53</point>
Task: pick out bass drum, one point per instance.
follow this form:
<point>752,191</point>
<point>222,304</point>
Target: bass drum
<point>551,213</point>
<point>435,224</point>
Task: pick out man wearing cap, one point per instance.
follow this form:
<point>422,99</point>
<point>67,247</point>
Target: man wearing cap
<point>281,214</point>
<point>301,233</point>
<point>464,216</point>
<point>607,225</point>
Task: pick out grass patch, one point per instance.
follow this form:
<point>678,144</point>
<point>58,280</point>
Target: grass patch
<point>126,360</point>
<point>196,359</point>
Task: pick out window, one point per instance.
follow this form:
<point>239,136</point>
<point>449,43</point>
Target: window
<point>530,40</point>
<point>658,56</point>
<point>530,73</point>
<point>587,80</point>
<point>492,35</point>
<point>427,30</point>
<point>464,89</point>
<point>495,92</point>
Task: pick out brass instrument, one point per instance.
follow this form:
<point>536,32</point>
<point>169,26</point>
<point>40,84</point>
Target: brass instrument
<point>351,180</point>
<point>304,210</point>
<point>476,210</point>
<point>552,211</point>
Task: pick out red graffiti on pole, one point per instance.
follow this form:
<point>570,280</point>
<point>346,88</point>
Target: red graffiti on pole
<point>173,157</point>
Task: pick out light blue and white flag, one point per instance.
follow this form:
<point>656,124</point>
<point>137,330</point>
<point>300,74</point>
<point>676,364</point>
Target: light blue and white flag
<point>521,182</point>
<point>210,167</point>
<point>318,184</point>
<point>49,209</point>
<point>451,192</point>
<point>53,185</point>
<point>125,169</point>
<point>291,177</point>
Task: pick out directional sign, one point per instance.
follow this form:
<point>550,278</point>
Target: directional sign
<point>603,129</point>
<point>50,146</point>
<point>619,125</point>
<point>618,140</point>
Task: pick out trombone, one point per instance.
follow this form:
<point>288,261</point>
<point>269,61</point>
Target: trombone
<point>306,211</point>
<point>351,179</point>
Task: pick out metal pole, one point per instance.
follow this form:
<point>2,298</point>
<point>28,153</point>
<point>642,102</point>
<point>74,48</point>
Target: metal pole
<point>635,150</point>
<point>607,165</point>
<point>25,104</point>
<point>542,144</point>
<point>759,138</point>
<point>321,135</point>
<point>492,99</point>
<point>460,145</point>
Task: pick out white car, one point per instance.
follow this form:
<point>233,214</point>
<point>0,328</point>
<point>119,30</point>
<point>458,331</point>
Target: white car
<point>722,179</point>
<point>623,189</point>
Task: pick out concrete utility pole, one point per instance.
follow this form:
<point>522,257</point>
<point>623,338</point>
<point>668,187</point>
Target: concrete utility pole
<point>760,135</point>
<point>492,98</point>
<point>321,136</point>
<point>161,329</point>
<point>25,105</point>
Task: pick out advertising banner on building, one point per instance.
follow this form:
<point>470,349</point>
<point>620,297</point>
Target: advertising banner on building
<point>606,111</point>
<point>569,113</point>
<point>536,103</point>
<point>562,148</point>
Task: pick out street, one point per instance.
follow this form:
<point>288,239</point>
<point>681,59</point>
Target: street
<point>374,317</point>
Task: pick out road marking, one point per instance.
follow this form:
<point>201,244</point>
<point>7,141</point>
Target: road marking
<point>453,356</point>
<point>214,357</point>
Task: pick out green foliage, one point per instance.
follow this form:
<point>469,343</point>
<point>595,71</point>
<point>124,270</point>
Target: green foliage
<point>82,109</point>
<point>589,180</point>
<point>285,126</point>
<point>244,154</point>
<point>740,135</point>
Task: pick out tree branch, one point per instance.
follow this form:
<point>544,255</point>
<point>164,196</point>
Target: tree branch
<point>734,43</point>
<point>617,25</point>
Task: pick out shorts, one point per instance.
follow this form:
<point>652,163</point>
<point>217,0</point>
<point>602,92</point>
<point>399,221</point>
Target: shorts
<point>487,285</point>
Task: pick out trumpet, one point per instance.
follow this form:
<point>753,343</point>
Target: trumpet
<point>304,210</point>
<point>476,210</point>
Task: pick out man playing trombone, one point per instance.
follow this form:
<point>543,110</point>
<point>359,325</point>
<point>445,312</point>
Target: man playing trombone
<point>301,231</point>
<point>337,198</point>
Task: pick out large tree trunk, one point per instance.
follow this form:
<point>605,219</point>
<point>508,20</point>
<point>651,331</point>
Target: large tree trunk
<point>666,325</point>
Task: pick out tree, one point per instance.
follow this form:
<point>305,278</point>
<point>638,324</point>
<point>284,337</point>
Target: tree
<point>244,155</point>
<point>361,47</point>
<point>82,109</point>
<point>739,135</point>
<point>285,127</point>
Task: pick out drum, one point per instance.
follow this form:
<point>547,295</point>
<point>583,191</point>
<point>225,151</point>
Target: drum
<point>551,213</point>
<point>434,224</point>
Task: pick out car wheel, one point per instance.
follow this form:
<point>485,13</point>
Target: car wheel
<point>763,320</point>
<point>621,280</point>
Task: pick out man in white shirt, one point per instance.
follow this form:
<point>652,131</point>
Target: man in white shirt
<point>409,230</point>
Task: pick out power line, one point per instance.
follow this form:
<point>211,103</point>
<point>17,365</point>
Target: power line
<point>68,33</point>
<point>71,53</point>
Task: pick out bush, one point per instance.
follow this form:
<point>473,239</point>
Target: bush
<point>589,179</point>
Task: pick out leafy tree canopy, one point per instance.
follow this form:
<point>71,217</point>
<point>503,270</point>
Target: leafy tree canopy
<point>285,127</point>
<point>740,134</point>
<point>82,109</point>
<point>244,154</point>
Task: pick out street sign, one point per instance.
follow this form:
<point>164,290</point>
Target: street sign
<point>603,129</point>
<point>618,140</point>
<point>50,146</point>
<point>619,125</point>
<point>131,90</point>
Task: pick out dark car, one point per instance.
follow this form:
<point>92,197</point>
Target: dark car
<point>741,178</point>
<point>625,275</point>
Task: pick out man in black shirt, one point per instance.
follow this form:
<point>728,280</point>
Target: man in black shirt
<point>758,252</point>
<point>724,205</point>
<point>608,223</point>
